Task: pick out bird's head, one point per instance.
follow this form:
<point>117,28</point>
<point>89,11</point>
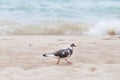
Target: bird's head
<point>73,45</point>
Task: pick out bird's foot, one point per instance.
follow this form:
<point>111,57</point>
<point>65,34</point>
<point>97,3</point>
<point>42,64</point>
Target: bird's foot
<point>70,62</point>
<point>58,61</point>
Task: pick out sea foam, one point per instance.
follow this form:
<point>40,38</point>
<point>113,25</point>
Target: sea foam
<point>105,27</point>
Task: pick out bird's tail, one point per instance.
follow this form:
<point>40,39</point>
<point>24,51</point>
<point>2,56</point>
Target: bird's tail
<point>49,55</point>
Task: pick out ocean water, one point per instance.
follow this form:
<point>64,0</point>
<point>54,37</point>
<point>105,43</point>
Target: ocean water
<point>91,17</point>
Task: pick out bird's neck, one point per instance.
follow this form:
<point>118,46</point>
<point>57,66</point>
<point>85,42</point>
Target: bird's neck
<point>72,48</point>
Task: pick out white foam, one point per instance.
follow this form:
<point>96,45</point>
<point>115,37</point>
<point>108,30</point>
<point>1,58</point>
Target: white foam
<point>104,27</point>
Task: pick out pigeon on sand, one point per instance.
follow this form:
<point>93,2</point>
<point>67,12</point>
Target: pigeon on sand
<point>62,54</point>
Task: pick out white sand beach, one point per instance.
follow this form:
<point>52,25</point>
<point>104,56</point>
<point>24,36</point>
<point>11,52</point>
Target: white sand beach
<point>94,58</point>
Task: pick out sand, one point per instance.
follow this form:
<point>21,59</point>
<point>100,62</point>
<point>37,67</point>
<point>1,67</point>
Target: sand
<point>94,58</point>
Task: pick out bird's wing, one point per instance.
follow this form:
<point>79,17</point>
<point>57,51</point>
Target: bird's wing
<point>54,54</point>
<point>62,53</point>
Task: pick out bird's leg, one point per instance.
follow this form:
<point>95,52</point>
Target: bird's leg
<point>68,61</point>
<point>58,61</point>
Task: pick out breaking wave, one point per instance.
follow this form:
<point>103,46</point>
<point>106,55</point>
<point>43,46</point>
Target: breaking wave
<point>56,28</point>
<point>105,27</point>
